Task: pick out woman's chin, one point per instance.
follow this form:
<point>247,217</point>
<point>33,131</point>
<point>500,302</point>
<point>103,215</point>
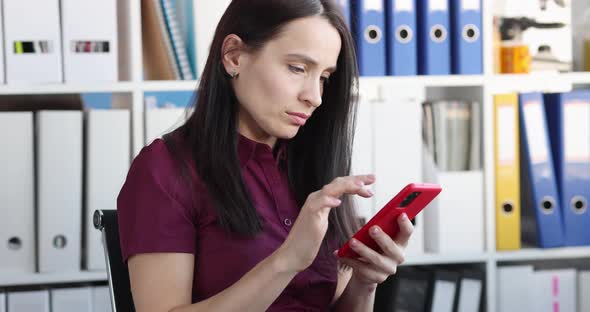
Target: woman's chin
<point>288,132</point>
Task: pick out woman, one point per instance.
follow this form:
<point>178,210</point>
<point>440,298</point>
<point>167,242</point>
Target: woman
<point>242,207</point>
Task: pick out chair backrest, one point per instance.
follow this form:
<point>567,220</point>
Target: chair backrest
<point>118,275</point>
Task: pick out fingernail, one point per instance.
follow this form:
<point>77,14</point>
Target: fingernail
<point>353,242</point>
<point>370,192</point>
<point>404,216</point>
<point>360,183</point>
<point>335,253</point>
<point>337,201</point>
<point>374,230</point>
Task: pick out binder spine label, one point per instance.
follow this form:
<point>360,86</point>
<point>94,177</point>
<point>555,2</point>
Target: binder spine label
<point>403,5</point>
<point>373,5</point>
<point>470,5</point>
<point>577,129</point>
<point>533,114</point>
<point>28,47</point>
<point>438,5</point>
<point>506,150</point>
<point>90,46</point>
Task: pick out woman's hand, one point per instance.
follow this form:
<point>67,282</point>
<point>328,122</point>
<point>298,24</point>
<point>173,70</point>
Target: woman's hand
<point>373,268</point>
<point>305,238</point>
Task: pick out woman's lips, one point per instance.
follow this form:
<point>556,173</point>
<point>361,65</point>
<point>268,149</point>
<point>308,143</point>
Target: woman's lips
<point>298,118</point>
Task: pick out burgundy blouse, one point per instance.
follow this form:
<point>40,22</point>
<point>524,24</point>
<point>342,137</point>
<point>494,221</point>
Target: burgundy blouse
<point>158,212</point>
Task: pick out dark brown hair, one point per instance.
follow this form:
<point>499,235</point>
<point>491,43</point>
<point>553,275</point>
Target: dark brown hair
<point>321,150</point>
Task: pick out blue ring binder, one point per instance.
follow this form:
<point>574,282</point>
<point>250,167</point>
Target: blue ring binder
<point>550,208</point>
<point>438,38</point>
<point>378,34</point>
<point>471,38</point>
<point>409,35</point>
<point>581,202</point>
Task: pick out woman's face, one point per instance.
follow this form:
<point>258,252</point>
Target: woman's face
<point>280,86</point>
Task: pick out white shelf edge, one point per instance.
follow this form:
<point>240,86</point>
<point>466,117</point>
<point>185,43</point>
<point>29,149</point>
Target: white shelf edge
<point>534,254</point>
<point>498,82</point>
<point>64,88</point>
<point>169,85</point>
<point>531,82</point>
<point>428,81</point>
<point>432,259</point>
<point>579,77</point>
<point>24,279</point>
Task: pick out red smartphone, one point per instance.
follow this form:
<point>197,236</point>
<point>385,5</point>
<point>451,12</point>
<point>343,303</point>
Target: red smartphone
<point>411,200</point>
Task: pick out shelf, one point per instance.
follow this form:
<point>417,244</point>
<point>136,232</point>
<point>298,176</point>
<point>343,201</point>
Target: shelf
<point>550,81</point>
<point>533,82</point>
<point>51,278</point>
<point>169,85</point>
<point>427,81</point>
<point>390,81</point>
<point>541,81</point>
<point>433,259</point>
<point>543,254</point>
<point>112,87</point>
<point>579,77</point>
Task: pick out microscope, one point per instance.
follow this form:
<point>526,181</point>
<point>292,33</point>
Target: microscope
<point>543,4</point>
<point>512,29</point>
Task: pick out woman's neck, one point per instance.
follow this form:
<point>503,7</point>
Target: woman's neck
<point>250,129</point>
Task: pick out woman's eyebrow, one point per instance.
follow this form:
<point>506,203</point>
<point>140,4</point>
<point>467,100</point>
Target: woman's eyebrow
<point>309,60</point>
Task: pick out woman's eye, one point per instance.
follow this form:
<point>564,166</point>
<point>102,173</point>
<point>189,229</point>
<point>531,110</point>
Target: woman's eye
<point>296,69</point>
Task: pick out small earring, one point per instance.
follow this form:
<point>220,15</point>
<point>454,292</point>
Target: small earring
<point>234,74</point>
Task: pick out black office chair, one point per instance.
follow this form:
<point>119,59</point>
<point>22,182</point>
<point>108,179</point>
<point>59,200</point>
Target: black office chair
<point>120,290</point>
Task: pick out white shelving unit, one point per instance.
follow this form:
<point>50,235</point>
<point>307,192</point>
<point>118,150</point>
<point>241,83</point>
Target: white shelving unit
<point>51,278</point>
<point>132,88</point>
<point>541,255</point>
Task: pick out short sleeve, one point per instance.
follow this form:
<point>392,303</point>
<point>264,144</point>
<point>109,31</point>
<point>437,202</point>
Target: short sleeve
<point>151,213</point>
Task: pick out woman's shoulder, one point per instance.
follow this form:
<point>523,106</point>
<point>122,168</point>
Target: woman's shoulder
<point>156,207</point>
<point>153,152</point>
<point>155,159</point>
<point>171,168</point>
<point>161,159</point>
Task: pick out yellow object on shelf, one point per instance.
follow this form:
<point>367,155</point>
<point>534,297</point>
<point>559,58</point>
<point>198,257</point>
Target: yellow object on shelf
<point>507,171</point>
<point>515,59</point>
<point>497,43</point>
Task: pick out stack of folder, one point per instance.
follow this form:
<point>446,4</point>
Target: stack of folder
<point>409,37</point>
<point>451,131</point>
<point>107,150</point>
<point>164,48</point>
<point>377,142</point>
<point>95,58</point>
<point>542,169</point>
<point>70,40</point>
<point>165,111</point>
<point>17,193</point>
<point>568,117</point>
<point>522,288</point>
<point>66,164</point>
<point>431,289</point>
<point>507,169</point>
<point>69,299</point>
<point>177,36</point>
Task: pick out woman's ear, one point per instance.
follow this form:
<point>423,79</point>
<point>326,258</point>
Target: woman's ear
<point>232,52</point>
